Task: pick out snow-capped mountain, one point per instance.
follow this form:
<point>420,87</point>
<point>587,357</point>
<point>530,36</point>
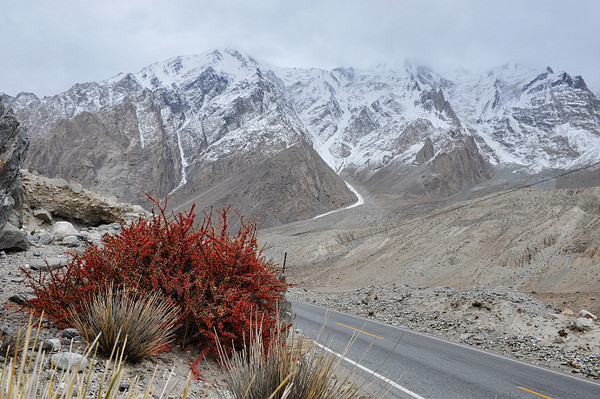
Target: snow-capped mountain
<point>189,123</point>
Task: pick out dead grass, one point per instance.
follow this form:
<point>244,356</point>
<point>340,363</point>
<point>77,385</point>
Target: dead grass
<point>290,368</point>
<point>140,324</point>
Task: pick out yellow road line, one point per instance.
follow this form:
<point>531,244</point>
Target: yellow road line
<point>360,331</point>
<point>539,394</point>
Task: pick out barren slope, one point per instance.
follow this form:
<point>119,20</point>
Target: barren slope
<point>535,240</point>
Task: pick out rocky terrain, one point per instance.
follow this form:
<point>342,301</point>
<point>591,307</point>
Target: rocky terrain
<point>498,319</point>
<point>53,240</point>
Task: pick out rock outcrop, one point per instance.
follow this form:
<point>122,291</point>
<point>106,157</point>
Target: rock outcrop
<point>69,200</point>
<point>13,147</point>
<point>460,168</point>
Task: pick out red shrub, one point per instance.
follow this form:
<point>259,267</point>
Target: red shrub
<point>219,281</point>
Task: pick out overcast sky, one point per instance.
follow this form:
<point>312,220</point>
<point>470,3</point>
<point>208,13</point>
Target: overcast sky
<point>49,45</point>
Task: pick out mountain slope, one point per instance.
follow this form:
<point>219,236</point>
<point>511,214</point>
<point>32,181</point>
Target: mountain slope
<point>187,125</point>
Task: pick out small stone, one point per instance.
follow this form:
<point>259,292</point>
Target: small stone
<point>43,215</point>
<point>124,387</point>
<point>45,239</point>
<point>33,238</point>
<point>69,333</point>
<point>53,344</point>
<point>76,187</point>
<point>77,250</point>
<point>60,183</point>
<point>69,361</point>
<point>63,229</point>
<point>562,332</point>
<point>49,263</point>
<point>37,252</point>
<point>17,279</point>
<point>588,315</point>
<point>70,241</point>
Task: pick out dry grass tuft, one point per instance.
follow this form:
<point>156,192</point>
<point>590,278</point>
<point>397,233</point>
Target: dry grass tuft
<point>140,324</point>
<point>289,368</point>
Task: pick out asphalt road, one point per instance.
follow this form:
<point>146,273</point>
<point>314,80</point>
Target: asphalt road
<point>420,366</point>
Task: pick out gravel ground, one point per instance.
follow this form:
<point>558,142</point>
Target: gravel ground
<point>498,319</point>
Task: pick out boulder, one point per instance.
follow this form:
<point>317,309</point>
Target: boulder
<point>73,202</point>
<point>63,229</point>
<point>13,239</point>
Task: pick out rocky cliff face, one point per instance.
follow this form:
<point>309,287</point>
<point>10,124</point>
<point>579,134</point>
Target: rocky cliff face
<point>103,150</point>
<point>185,125</point>
<point>13,147</point>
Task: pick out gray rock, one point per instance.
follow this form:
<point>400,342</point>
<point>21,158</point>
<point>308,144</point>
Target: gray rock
<point>21,299</point>
<point>79,250</point>
<point>63,229</point>
<point>13,239</point>
<point>48,263</point>
<point>33,238</point>
<point>70,241</point>
<point>60,183</point>
<point>45,239</point>
<point>583,324</point>
<point>53,344</point>
<point>69,361</point>
<point>37,252</point>
<point>76,187</point>
<point>69,333</point>
<point>43,215</point>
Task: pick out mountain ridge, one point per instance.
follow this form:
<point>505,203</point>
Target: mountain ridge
<point>187,112</point>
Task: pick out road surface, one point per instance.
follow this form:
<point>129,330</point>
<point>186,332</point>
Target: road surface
<point>420,366</point>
